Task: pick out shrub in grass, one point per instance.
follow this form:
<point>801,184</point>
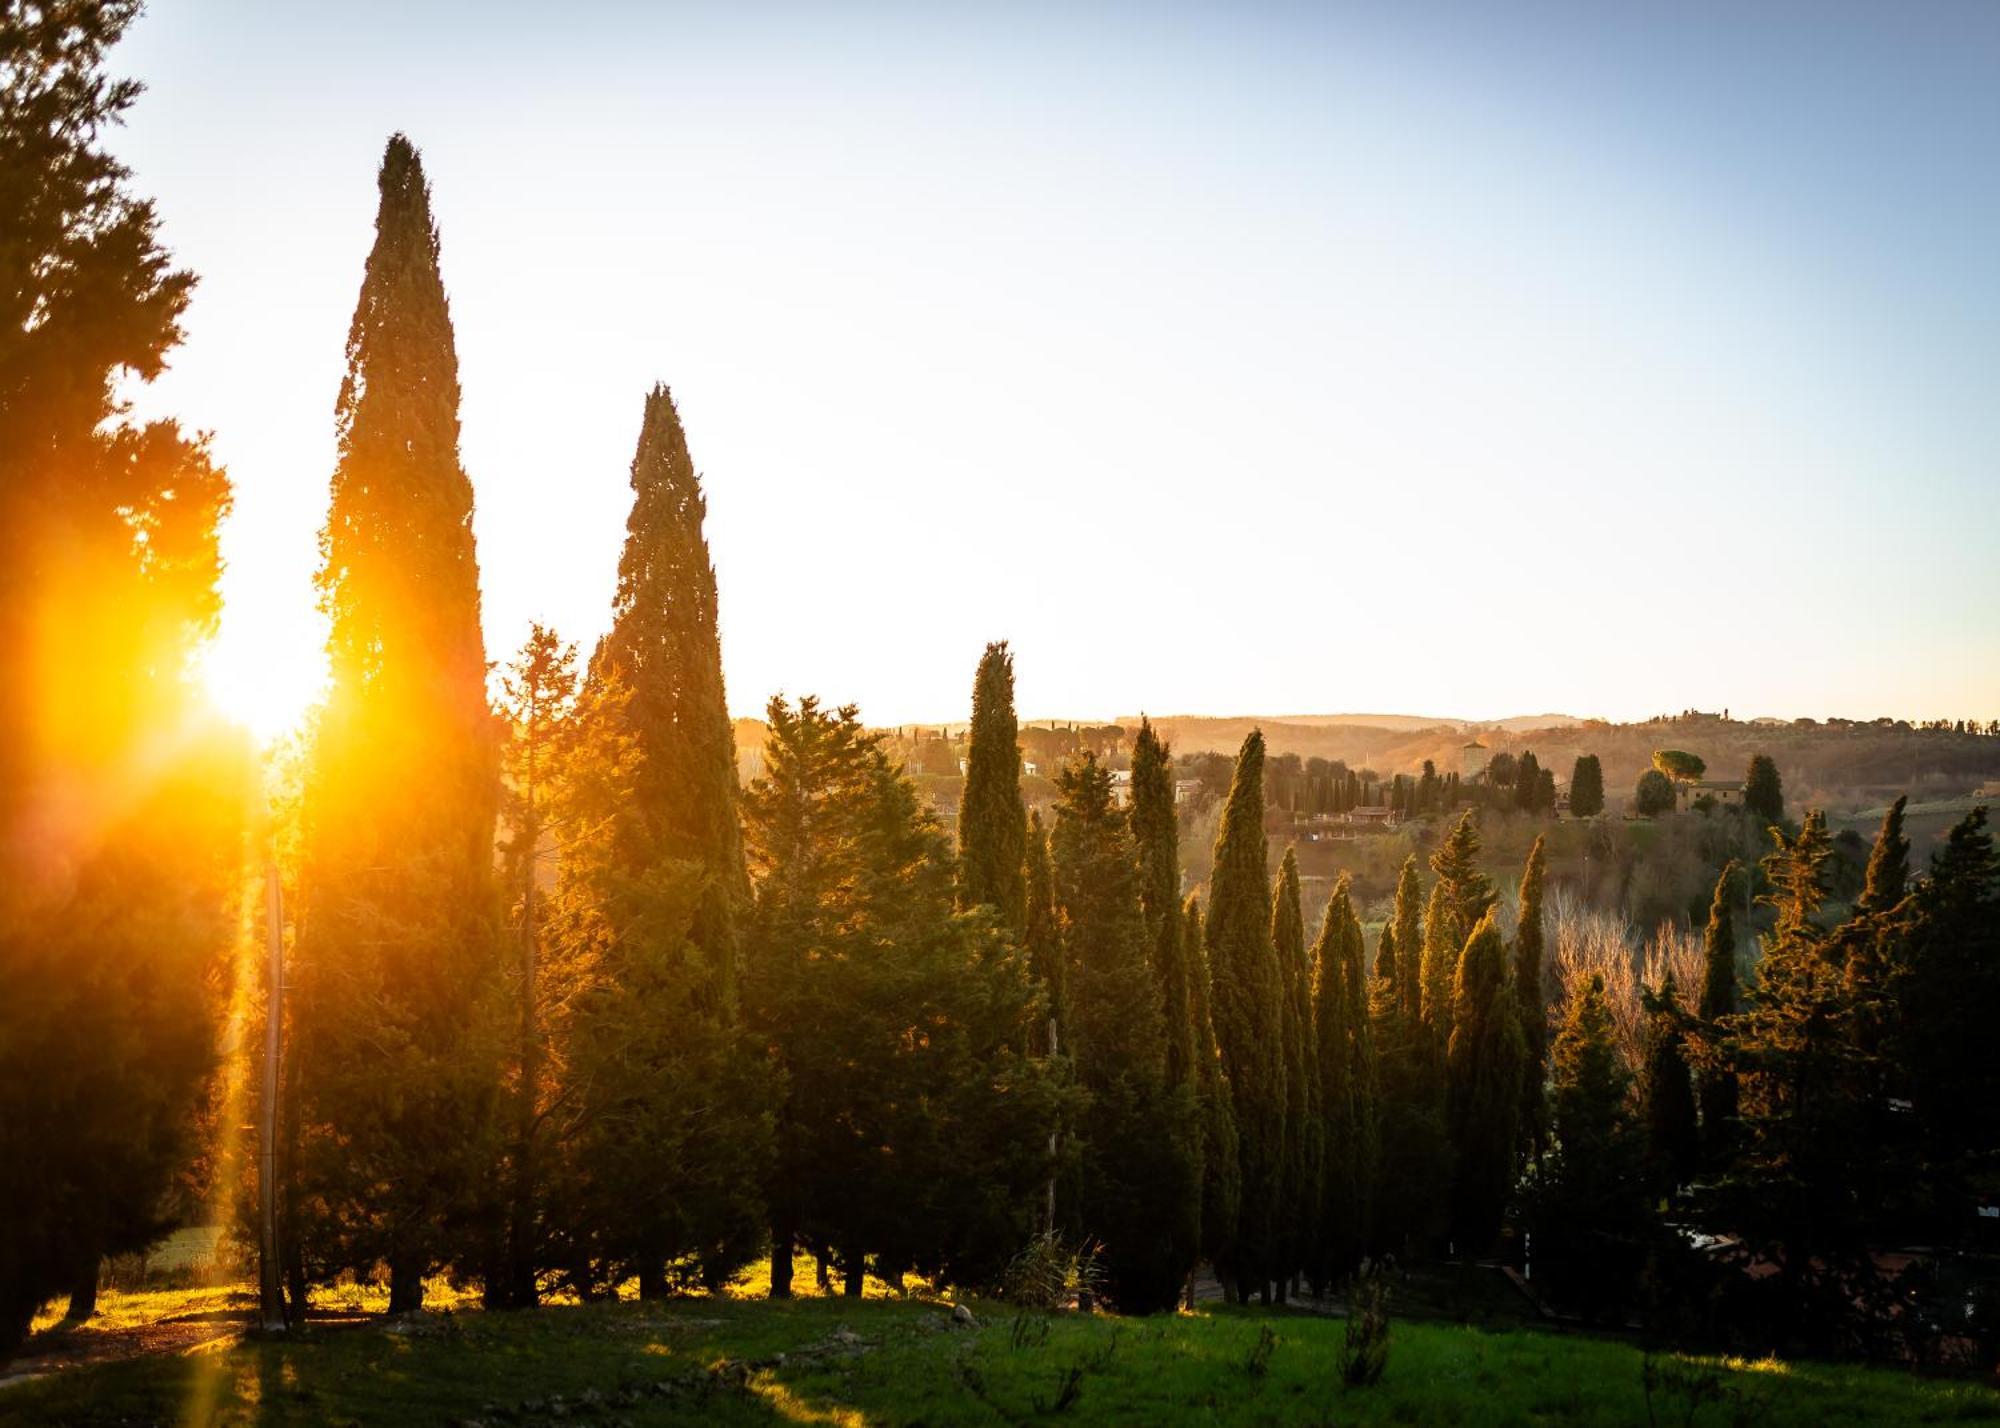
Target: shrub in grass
<point>1364,1350</point>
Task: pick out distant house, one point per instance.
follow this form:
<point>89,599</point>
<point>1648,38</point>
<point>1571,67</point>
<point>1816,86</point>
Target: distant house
<point>1030,768</point>
<point>1186,789</point>
<point>1374,817</point>
<point>1724,793</point>
<point>1474,758</point>
<point>1121,788</point>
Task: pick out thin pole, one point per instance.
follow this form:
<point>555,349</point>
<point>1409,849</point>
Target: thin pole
<point>270,1297</point>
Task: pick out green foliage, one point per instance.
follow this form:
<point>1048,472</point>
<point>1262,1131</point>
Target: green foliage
<point>1888,863</point>
<point>1666,1090</point>
<point>1586,787</point>
<point>1344,1076</point>
<point>1156,837</point>
<point>1304,1128</point>
<point>1364,1347</point>
<point>1763,790</point>
<point>1654,794</point>
<point>992,821</point>
<point>1467,891</point>
<point>1443,940</point>
<point>1531,1004</point>
<point>1679,765</point>
<point>1406,920</point>
<point>1588,1204</point>
<point>116,891</point>
<point>1041,936</point>
<point>1248,1009</point>
<point>1139,1172</point>
<point>914,1120</point>
<point>396,1045</point>
<point>1484,1067</point>
<point>1718,1002</point>
<point>1221,1149</point>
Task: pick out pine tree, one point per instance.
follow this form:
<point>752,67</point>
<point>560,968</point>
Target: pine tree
<point>1139,1176</point>
<point>1718,1003</point>
<point>1667,1092</point>
<point>1531,1005</point>
<point>539,687</point>
<point>1888,863</point>
<point>1468,892</point>
<point>1304,1133</point>
<point>398,950</point>
<point>1763,790</point>
<point>121,798</point>
<point>1248,1008</point>
<point>992,821</point>
<point>1484,1067</point>
<point>1407,921</point>
<point>1588,1206</point>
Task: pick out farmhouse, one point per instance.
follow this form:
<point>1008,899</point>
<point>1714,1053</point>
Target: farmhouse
<point>1724,793</point>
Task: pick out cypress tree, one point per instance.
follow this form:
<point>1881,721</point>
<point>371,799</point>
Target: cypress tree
<point>1304,1136</point>
<point>398,948</point>
<point>1484,1068</point>
<point>1248,1007</point>
<point>1443,940</point>
<point>1041,937</point>
<point>1528,783</point>
<point>1667,1092</point>
<point>1139,1178</point>
<point>1586,787</point>
<point>1718,1003</point>
<point>1411,1157</point>
<point>1344,1071</point>
<point>1156,835</point>
<point>1221,1152</point>
<point>1763,790</point>
<point>1531,1006</point>
<point>992,821</point>
<point>1888,863</point>
<point>1407,921</point>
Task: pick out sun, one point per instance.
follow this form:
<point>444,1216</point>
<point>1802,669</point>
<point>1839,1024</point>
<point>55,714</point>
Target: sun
<point>263,675</point>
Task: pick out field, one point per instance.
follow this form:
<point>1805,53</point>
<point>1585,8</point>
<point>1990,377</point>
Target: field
<point>830,1361</point>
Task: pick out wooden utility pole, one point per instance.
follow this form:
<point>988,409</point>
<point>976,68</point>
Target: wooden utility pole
<point>271,1299</point>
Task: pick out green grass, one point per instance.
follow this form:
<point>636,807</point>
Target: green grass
<point>887,1361</point>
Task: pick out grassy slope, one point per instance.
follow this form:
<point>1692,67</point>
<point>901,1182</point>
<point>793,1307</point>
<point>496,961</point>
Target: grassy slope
<point>890,1362</point>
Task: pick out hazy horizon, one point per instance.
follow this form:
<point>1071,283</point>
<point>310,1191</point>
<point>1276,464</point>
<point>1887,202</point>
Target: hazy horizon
<point>1286,358</point>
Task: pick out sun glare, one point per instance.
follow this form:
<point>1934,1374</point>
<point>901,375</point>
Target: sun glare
<point>264,684</point>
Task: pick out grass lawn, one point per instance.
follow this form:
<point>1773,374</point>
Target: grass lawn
<point>731,1360</point>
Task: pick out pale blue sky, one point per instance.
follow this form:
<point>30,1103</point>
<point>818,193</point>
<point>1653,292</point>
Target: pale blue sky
<point>1471,359</point>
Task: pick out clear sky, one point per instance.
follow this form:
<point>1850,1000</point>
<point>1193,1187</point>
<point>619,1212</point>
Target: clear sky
<point>1460,359</point>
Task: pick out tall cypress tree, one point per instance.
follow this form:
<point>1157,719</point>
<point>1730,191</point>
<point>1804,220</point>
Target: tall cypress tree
<point>1717,1092</point>
<point>1528,996</point>
<point>1888,863</point>
<point>1139,1178</point>
<point>1586,787</point>
<point>1248,1007</point>
<point>992,821</point>
<point>1304,1135</point>
<point>1667,1091</point>
<point>398,949</point>
<point>1343,1069</point>
<point>657,883</point>
<point>1443,940</point>
<point>1763,790</point>
<point>1468,891</point>
<point>1407,920</point>
<point>1156,836</point>
<point>1221,1151</point>
<point>1484,1068</point>
<point>1041,938</point>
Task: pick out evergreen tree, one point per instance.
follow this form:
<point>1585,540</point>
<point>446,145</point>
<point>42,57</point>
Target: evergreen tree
<point>1443,940</point>
<point>1139,1176</point>
<point>1653,794</point>
<point>1248,1008</point>
<point>1412,1158</point>
<point>1763,790</point>
<point>1531,1006</point>
<point>1304,1133</point>
<point>1468,892</point>
<point>1888,863</point>
<point>1528,783</point>
<point>1484,1067</point>
<point>1156,835</point>
<point>1407,921</point>
<point>913,1129</point>
<point>1667,1092</point>
<point>1586,787</point>
<point>121,797</point>
<point>398,950</point>
<point>1041,937</point>
<point>1221,1152</point>
<point>1344,1072</point>
<point>1588,1205</point>
<point>539,687</point>
<point>1718,1003</point>
<point>992,821</point>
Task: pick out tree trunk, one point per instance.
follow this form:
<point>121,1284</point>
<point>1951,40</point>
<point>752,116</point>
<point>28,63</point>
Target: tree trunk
<point>16,1317</point>
<point>652,1280</point>
<point>781,1264</point>
<point>823,1270</point>
<point>1264,1294</point>
<point>83,1291</point>
<point>406,1286</point>
<point>857,1272</point>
